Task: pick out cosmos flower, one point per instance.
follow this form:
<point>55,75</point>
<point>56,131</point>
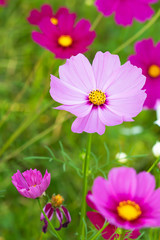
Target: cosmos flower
<point>127,200</point>
<point>55,206</point>
<point>30,183</point>
<point>109,233</point>
<point>147,57</point>
<point>67,39</point>
<point>126,11</point>
<point>36,17</point>
<point>3,2</point>
<point>104,93</point>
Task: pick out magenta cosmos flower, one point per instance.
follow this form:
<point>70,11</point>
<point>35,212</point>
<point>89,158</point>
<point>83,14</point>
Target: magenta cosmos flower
<point>126,10</point>
<point>109,233</point>
<point>127,200</point>
<point>66,39</point>
<point>147,57</point>
<point>46,12</point>
<point>55,206</point>
<point>104,93</point>
<point>3,2</point>
<point>30,183</point>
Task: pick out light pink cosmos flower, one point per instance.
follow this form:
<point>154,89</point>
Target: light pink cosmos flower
<point>104,93</point>
<point>126,10</point>
<point>109,233</point>
<point>127,200</point>
<point>147,57</point>
<point>30,183</point>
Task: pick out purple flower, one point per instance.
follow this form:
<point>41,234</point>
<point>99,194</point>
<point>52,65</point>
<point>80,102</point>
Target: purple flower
<point>55,207</point>
<point>46,12</point>
<point>147,57</point>
<point>3,2</point>
<point>109,233</point>
<point>30,183</point>
<point>66,39</point>
<point>126,10</point>
<point>127,200</point>
<point>104,93</point>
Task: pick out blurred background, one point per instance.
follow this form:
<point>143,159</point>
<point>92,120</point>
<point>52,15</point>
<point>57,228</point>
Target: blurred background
<point>34,135</point>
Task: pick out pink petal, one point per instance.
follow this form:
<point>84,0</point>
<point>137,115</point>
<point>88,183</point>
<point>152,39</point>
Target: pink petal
<point>124,13</point>
<point>124,182</point>
<point>107,7</point>
<point>104,64</point>
<point>142,11</point>
<point>34,17</point>
<point>65,93</point>
<point>46,10</point>
<point>79,110</point>
<point>78,72</point>
<point>108,117</point>
<point>127,78</point>
<point>90,123</point>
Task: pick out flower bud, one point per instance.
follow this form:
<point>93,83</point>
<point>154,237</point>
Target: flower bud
<point>156,149</point>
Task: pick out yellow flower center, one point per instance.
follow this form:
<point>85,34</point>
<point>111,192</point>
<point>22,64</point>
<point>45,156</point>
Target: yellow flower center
<point>129,210</point>
<point>154,71</point>
<point>54,20</point>
<point>97,97</point>
<point>65,41</point>
<point>57,200</point>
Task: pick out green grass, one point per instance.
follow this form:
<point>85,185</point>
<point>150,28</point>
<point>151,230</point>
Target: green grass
<point>30,129</point>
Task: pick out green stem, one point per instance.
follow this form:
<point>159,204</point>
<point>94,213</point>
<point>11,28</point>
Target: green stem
<point>153,165</point>
<point>85,180</point>
<point>96,21</point>
<point>139,33</point>
<point>100,231</point>
<point>53,229</point>
<point>122,235</point>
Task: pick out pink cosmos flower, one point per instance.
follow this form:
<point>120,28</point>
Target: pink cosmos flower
<point>66,39</point>
<point>127,200</point>
<point>147,57</point>
<point>36,17</point>
<point>30,183</point>
<point>3,2</point>
<point>104,93</point>
<point>126,10</point>
<point>109,233</point>
<point>55,206</point>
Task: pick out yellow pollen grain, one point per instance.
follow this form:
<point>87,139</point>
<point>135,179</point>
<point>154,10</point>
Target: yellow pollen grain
<point>54,20</point>
<point>97,97</point>
<point>154,71</point>
<point>129,210</point>
<point>57,200</point>
<point>65,41</point>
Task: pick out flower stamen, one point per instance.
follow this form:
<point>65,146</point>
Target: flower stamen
<point>97,97</point>
<point>65,40</point>
<point>54,21</point>
<point>57,200</point>
<point>129,210</point>
<point>154,71</point>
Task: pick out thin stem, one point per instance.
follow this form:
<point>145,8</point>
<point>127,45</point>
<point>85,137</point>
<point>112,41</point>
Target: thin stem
<point>100,231</point>
<point>53,229</point>
<point>153,165</point>
<point>139,33</point>
<point>122,235</point>
<point>85,181</point>
<point>97,21</point>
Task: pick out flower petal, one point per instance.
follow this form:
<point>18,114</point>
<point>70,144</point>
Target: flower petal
<point>90,123</point>
<point>104,64</point>
<point>67,215</point>
<point>60,218</point>
<point>65,93</point>
<point>78,72</point>
<point>108,117</point>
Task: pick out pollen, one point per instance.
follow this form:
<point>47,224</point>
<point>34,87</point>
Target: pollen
<point>57,200</point>
<point>54,20</point>
<point>97,97</point>
<point>154,71</point>
<point>129,210</point>
<point>65,41</point>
